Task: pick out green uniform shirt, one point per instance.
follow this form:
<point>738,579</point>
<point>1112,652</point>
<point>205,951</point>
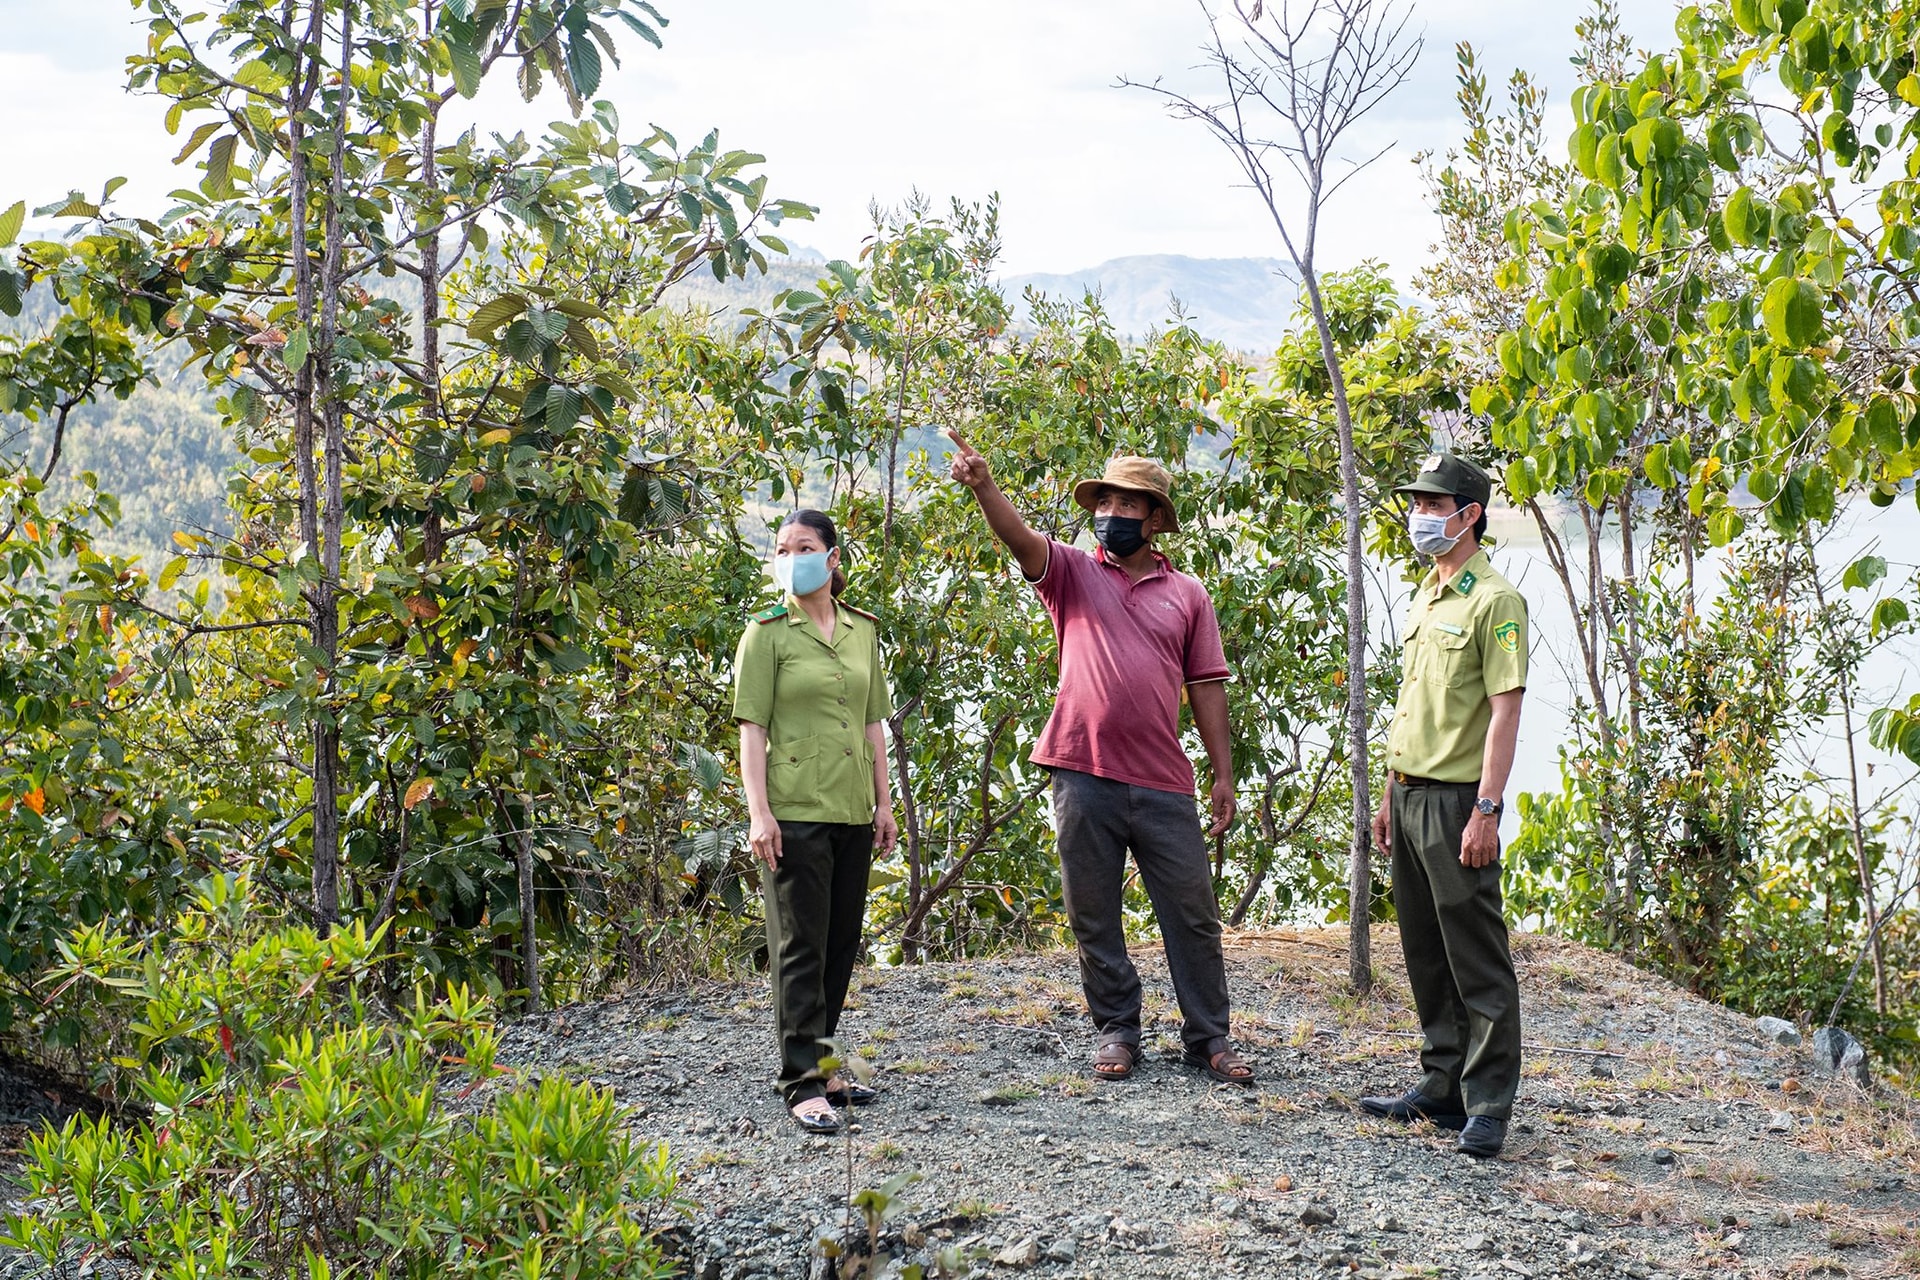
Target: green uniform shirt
<point>816,700</point>
<point>1466,641</point>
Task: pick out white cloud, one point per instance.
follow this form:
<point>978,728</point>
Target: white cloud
<point>853,100</point>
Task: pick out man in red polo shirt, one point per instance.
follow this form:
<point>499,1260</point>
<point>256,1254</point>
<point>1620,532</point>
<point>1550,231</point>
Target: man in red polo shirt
<point>1133,632</point>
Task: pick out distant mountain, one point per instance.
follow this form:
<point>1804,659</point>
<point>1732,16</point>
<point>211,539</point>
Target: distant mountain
<point>1246,303</point>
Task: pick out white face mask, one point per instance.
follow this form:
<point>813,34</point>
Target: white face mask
<point>1429,534</point>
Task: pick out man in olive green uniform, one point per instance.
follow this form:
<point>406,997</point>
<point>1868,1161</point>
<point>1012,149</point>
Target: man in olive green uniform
<point>1463,673</point>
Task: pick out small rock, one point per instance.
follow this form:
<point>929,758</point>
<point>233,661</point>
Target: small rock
<point>1388,1222</point>
<point>1318,1215</point>
<point>1663,1155</point>
<point>1779,1122</point>
<point>1842,1055</point>
<point>1477,1244</point>
<point>1601,1068</point>
<point>1563,1165</point>
<point>1783,1217</point>
<point>1734,1239</point>
<point>1062,1250</point>
<point>1229,1206</point>
<point>1023,1254</point>
<point>1778,1030</point>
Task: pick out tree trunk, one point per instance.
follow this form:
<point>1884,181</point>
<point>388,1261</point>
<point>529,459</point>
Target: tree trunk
<point>529,946</point>
<point>910,943</point>
<point>1360,859</point>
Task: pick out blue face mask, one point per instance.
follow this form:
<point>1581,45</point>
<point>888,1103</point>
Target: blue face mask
<point>802,574</point>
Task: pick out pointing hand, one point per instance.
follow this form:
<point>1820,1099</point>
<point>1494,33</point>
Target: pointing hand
<point>968,467</point>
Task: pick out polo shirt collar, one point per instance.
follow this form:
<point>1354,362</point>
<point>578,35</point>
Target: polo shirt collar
<point>1160,561</point>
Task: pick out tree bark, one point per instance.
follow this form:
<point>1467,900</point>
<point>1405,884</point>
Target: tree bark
<point>1360,859</point>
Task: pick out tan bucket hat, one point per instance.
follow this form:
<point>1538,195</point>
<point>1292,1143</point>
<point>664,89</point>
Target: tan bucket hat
<point>1138,475</point>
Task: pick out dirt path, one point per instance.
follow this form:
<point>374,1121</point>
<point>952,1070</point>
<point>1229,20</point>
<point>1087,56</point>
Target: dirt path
<point>1679,1144</point>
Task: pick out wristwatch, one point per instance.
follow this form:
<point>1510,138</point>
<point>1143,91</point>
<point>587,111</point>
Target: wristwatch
<point>1492,808</point>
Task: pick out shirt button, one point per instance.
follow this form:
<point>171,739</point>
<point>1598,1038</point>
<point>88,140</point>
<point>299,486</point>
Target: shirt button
<point>796,759</point>
<point>1396,753</point>
<point>849,750</point>
<point>843,724</point>
<point>843,702</point>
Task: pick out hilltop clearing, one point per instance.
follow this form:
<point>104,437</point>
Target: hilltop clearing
<point>1659,1135</point>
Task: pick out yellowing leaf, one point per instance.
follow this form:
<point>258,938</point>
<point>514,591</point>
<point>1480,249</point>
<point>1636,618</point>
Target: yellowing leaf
<point>35,800</point>
<point>106,617</point>
<point>499,435</point>
<point>186,540</point>
<point>465,649</point>
<point>418,792</point>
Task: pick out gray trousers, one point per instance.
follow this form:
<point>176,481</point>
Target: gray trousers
<point>1099,821</point>
<point>1454,937</point>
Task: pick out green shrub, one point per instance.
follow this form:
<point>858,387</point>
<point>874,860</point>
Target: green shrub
<point>293,1129</point>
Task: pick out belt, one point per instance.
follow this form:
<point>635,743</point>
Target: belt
<point>1409,780</point>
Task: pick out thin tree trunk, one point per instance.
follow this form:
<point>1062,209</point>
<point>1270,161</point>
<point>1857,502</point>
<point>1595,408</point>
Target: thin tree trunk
<point>910,944</point>
<point>1360,861</point>
<point>529,944</point>
<point>326,595</point>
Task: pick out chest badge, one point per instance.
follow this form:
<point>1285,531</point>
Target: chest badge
<point>1508,634</point>
<point>1464,583</point>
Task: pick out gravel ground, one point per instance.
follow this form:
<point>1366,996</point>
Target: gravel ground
<point>1678,1142</point>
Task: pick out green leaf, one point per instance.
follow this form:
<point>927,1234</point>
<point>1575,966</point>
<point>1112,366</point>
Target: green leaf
<point>1763,484</point>
<point>1738,216</point>
<point>1608,169</point>
<point>1883,424</point>
<point>1795,312</point>
<point>219,180</point>
<point>468,70</point>
<point>1724,525</point>
<point>1863,573</point>
<point>486,322</point>
<point>11,222</point>
<point>583,64</point>
<point>1888,614</point>
<point>294,354</point>
<point>198,136</point>
<point>1657,469</point>
<point>171,572</point>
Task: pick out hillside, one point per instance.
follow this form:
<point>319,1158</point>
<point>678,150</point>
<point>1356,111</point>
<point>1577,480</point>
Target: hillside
<point>1655,1135</point>
<point>1247,303</point>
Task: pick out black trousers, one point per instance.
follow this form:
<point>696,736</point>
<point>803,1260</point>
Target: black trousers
<point>816,902</point>
<point>1454,937</point>
<point>1098,821</point>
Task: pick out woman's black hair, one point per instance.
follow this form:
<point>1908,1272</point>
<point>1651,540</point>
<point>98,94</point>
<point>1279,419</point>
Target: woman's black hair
<point>822,524</point>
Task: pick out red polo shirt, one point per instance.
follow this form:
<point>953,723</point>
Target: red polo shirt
<point>1126,650</point>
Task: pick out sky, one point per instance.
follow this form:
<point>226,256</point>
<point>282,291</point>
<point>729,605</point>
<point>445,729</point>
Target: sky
<point>854,101</point>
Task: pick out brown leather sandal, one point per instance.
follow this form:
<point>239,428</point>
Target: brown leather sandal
<point>1224,1064</point>
<point>1115,1060</point>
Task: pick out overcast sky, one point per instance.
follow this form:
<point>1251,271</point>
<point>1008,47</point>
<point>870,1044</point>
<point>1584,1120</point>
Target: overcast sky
<point>856,100</point>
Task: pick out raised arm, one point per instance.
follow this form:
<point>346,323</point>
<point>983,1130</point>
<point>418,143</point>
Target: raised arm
<point>971,470</point>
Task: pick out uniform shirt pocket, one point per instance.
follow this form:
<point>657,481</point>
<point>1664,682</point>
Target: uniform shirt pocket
<point>1452,660</point>
<point>793,773</point>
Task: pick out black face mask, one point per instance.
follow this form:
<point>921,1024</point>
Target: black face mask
<point>1120,535</point>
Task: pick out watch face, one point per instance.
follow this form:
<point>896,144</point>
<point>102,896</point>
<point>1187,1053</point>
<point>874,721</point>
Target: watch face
<point>1487,806</point>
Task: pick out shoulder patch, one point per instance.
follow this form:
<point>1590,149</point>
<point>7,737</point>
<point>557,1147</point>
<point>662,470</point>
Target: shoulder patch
<point>1508,634</point>
<point>871,617</point>
<point>768,615</point>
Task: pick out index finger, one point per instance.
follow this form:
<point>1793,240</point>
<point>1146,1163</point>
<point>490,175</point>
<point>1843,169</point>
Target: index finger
<point>966,450</point>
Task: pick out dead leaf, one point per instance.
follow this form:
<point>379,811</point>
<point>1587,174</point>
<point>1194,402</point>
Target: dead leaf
<point>465,649</point>
<point>422,608</point>
<point>419,791</point>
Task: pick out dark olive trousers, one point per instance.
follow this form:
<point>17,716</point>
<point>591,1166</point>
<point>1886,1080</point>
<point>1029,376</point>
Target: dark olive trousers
<point>1454,936</point>
<point>816,902</point>
<point>1098,821</point>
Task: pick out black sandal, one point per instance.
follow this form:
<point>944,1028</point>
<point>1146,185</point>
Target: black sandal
<point>842,1092</point>
<point>815,1122</point>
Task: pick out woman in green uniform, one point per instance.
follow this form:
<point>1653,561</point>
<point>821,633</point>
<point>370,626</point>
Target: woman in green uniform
<point>810,695</point>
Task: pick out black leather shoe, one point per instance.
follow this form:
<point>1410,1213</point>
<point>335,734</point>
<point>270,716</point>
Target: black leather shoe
<point>1415,1105</point>
<point>843,1093</point>
<point>1483,1137</point>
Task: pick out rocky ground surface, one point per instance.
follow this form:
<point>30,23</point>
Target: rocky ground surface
<point>1656,1135</point>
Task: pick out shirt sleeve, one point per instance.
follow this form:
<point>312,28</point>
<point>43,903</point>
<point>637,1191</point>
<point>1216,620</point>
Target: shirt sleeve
<point>1504,637</point>
<point>1059,580</point>
<point>754,664</point>
<point>879,696</point>
<point>1206,659</point>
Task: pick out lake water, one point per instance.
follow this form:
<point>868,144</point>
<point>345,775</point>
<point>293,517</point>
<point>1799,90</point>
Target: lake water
<point>1891,674</point>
